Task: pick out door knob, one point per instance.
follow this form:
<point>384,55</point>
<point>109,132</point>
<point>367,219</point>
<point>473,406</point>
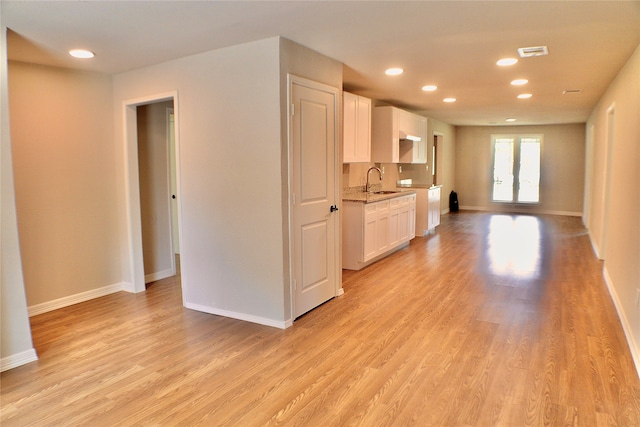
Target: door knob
<point>333,208</point>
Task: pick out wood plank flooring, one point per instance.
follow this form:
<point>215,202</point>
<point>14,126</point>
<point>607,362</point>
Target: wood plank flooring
<point>493,320</point>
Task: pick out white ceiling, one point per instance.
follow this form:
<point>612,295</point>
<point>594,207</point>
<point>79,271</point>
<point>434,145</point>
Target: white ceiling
<point>452,44</point>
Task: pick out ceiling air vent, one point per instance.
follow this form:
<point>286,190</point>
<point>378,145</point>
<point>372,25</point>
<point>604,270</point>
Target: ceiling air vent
<point>527,52</point>
<point>571,91</point>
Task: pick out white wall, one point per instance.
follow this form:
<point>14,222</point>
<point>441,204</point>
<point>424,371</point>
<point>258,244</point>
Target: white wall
<point>561,175</point>
<point>230,177</point>
<point>622,228</point>
<point>16,347</point>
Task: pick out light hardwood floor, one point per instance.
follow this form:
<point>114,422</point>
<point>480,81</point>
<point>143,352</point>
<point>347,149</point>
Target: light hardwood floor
<point>494,320</point>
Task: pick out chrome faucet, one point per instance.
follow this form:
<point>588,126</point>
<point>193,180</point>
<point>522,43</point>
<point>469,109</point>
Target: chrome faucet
<point>368,186</point>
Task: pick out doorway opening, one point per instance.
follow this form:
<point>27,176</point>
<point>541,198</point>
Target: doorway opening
<point>152,183</point>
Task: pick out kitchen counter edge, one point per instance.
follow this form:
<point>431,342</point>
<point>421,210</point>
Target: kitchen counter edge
<point>371,197</point>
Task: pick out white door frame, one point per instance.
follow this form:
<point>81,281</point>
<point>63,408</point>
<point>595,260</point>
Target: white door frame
<point>136,281</point>
<point>608,171</point>
<point>172,163</point>
<point>588,176</point>
<point>291,80</point>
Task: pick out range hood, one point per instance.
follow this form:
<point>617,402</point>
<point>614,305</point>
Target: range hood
<point>405,136</point>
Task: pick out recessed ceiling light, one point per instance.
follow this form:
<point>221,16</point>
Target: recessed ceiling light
<point>449,100</point>
<point>429,88</point>
<point>527,52</point>
<point>394,71</point>
<point>525,96</point>
<point>81,53</point>
<point>519,82</point>
<point>510,119</point>
<point>505,62</point>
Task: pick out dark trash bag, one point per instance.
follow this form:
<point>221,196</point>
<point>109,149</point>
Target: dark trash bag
<point>453,202</point>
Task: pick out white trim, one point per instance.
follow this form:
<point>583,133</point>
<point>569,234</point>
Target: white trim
<point>515,210</point>
<point>588,175</point>
<point>626,327</point>
<point>132,182</point>
<point>607,175</point>
<point>240,316</point>
<point>594,246</point>
<point>128,287</point>
<point>148,278</point>
<point>55,304</point>
<point>18,359</point>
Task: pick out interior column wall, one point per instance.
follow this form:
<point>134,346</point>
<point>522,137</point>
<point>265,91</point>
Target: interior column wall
<point>622,258</point>
<point>64,167</point>
<point>16,346</point>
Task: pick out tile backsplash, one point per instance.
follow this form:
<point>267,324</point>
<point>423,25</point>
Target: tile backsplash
<point>355,174</point>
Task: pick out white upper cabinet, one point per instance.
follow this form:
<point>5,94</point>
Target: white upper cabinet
<point>412,151</point>
<point>398,136</point>
<point>385,137</point>
<point>356,128</point>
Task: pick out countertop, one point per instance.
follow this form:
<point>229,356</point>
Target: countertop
<point>372,197</point>
<point>419,186</point>
<point>405,184</point>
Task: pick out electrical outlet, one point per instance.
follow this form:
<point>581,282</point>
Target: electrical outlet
<point>400,169</point>
<point>383,170</point>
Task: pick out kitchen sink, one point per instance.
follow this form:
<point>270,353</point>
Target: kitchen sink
<point>386,192</point>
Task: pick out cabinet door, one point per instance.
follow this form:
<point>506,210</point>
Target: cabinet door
<point>349,126</point>
<point>403,224</point>
<point>385,148</point>
<point>434,208</point>
<point>382,226</point>
<point>370,232</point>
<point>420,147</point>
<point>412,220</point>
<point>363,130</point>
<point>394,227</point>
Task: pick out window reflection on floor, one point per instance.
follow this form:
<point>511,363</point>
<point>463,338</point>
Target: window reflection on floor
<point>514,246</point>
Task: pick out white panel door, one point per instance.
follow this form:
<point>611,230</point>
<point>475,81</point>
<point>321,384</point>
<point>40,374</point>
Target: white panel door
<point>314,221</point>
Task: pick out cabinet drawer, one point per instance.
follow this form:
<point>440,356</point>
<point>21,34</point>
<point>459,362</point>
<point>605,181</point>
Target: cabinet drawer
<point>370,208</point>
<point>394,203</point>
<point>381,206</point>
<point>405,200</point>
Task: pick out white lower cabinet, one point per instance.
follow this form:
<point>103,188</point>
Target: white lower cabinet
<point>434,208</point>
<point>428,209</point>
<point>370,230</point>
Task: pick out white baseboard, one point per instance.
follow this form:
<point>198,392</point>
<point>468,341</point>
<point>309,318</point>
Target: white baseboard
<point>45,307</point>
<point>519,210</point>
<point>129,287</point>
<point>595,247</point>
<point>626,326</point>
<point>18,359</point>
<point>159,275</point>
<point>240,316</point>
